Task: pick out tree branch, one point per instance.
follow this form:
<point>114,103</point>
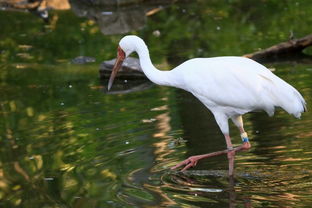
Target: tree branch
<point>284,48</point>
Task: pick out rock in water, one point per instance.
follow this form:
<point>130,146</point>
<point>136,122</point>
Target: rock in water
<point>130,69</point>
<point>83,60</point>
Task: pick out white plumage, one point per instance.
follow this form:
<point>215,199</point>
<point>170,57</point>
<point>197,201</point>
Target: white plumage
<point>228,86</point>
<point>237,83</point>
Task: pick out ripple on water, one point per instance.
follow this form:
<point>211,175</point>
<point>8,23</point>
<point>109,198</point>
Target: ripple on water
<point>274,188</point>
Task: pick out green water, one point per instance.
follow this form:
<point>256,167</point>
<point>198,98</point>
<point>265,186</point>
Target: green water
<point>65,142</point>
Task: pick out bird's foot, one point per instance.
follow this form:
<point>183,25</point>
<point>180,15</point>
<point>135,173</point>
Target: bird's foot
<point>189,162</point>
<point>246,146</point>
<point>192,161</point>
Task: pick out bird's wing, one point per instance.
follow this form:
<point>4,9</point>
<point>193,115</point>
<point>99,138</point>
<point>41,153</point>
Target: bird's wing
<point>229,81</point>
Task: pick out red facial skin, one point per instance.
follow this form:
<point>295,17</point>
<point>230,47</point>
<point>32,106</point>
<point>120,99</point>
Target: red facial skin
<point>121,54</point>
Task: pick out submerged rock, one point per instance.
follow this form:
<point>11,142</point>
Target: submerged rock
<point>132,86</point>
<point>130,69</point>
<point>130,77</point>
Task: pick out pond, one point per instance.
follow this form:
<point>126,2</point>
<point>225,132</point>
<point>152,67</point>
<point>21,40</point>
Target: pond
<point>66,142</point>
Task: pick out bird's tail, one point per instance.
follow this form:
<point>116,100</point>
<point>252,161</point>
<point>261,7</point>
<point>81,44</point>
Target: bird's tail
<point>289,99</point>
<point>279,93</point>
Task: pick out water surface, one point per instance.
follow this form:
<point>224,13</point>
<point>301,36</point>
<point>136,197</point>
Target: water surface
<point>66,142</point>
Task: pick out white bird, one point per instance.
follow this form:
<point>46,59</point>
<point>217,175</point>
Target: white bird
<point>228,86</point>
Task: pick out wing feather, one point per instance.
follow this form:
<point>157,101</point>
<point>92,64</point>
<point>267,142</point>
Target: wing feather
<point>239,84</point>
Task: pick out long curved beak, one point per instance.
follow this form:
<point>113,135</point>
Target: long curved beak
<point>117,66</point>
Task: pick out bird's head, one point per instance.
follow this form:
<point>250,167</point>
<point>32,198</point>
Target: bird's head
<point>127,45</point>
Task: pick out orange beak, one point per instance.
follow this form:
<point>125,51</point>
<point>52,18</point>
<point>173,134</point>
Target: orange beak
<point>120,58</point>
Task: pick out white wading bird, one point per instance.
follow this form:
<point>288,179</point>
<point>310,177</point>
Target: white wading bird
<point>228,86</point>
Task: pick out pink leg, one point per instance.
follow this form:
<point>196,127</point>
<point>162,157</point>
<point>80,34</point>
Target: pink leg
<point>230,154</point>
<point>192,161</point>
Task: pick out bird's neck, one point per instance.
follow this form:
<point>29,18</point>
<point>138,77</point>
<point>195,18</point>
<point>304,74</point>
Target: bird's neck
<point>152,73</point>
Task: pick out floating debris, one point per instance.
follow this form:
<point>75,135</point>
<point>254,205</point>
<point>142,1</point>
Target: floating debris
<point>209,190</point>
<point>176,142</point>
<point>156,33</point>
<point>126,152</point>
<point>160,108</point>
<point>148,120</point>
<point>272,69</point>
<point>180,140</point>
